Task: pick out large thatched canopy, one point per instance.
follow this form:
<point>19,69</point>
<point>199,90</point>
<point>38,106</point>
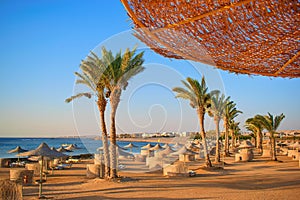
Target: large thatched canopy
<point>241,36</point>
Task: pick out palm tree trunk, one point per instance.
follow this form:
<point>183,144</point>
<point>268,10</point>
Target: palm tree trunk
<point>232,138</point>
<point>259,141</point>
<point>114,102</point>
<point>273,148</point>
<point>203,135</point>
<point>217,156</point>
<point>226,137</point>
<point>113,144</point>
<point>101,107</point>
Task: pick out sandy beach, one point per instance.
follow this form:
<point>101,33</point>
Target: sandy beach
<point>259,179</point>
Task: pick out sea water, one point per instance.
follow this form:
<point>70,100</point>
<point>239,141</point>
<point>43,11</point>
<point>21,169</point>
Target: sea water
<point>85,145</point>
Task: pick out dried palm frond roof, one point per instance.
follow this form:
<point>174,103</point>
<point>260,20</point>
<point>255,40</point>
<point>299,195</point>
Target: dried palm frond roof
<point>241,36</point>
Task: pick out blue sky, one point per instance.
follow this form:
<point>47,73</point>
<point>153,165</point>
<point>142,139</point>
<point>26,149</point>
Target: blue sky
<point>43,42</point>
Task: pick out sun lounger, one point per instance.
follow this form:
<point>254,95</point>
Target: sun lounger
<point>17,164</point>
<point>61,166</point>
<point>73,160</point>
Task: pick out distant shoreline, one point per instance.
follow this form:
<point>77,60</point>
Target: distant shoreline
<point>154,140</point>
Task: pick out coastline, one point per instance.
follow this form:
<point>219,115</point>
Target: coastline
<point>168,140</point>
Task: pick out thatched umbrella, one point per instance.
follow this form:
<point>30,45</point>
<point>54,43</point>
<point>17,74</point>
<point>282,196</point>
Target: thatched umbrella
<point>147,146</point>
<point>130,146</point>
<point>156,147</point>
<point>119,147</point>
<point>177,146</point>
<point>62,149</point>
<point>124,153</point>
<point>43,151</point>
<point>18,149</point>
<point>168,150</point>
<point>71,147</point>
<point>183,150</point>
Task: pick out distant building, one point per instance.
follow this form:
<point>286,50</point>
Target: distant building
<point>137,135</point>
<point>168,134</point>
<point>146,135</point>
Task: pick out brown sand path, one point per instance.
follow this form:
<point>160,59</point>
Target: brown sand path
<point>260,179</point>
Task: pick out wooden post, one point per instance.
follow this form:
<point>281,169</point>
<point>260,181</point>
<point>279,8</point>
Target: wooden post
<point>41,177</point>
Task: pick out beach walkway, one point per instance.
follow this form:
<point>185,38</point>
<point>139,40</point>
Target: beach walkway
<point>260,179</point>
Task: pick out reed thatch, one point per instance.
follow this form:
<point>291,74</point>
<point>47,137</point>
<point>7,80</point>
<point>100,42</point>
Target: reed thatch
<point>241,36</point>
<point>10,190</point>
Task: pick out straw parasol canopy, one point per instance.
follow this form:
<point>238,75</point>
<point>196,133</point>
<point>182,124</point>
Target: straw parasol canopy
<point>242,36</point>
<point>123,153</point>
<point>43,151</point>
<point>147,146</point>
<point>18,149</point>
<point>156,147</point>
<point>71,147</point>
<point>130,145</point>
<point>119,147</point>
<point>62,149</point>
<point>183,150</point>
<point>168,150</point>
<point>177,146</point>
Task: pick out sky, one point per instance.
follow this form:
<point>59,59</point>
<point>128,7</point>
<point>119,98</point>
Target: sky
<point>43,43</point>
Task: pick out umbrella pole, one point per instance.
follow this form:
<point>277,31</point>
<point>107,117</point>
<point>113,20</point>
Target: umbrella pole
<point>41,177</point>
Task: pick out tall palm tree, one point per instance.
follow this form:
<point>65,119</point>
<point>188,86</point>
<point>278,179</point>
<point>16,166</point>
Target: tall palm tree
<point>234,130</point>
<point>92,76</point>
<point>120,69</point>
<point>254,125</point>
<point>200,99</point>
<point>216,111</point>
<point>229,114</point>
<point>271,124</point>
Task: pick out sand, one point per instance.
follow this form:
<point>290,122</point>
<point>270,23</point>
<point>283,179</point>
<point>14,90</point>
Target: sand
<point>260,179</point>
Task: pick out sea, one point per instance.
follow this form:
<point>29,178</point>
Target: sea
<point>85,145</point>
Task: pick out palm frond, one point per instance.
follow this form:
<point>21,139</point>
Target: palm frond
<point>88,95</point>
<point>278,120</point>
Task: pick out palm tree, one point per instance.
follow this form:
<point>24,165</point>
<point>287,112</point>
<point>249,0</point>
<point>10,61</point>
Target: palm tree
<point>216,111</point>
<point>234,130</point>
<point>200,99</point>
<point>271,124</point>
<point>92,76</point>
<point>120,69</point>
<point>254,125</point>
<point>229,114</point>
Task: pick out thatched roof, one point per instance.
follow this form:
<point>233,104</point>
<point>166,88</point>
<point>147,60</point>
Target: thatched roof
<point>183,150</point>
<point>130,145</point>
<point>62,149</point>
<point>121,152</point>
<point>156,147</point>
<point>18,149</point>
<point>241,36</point>
<point>71,147</point>
<point>43,150</point>
<point>147,146</point>
<point>168,150</point>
